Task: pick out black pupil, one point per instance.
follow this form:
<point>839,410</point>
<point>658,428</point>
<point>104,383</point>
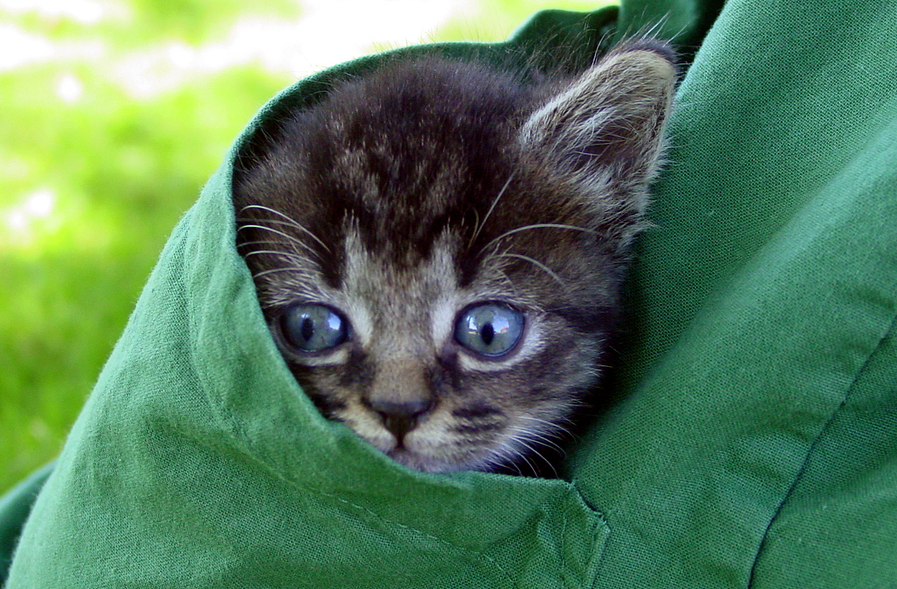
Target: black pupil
<point>487,334</point>
<point>308,328</point>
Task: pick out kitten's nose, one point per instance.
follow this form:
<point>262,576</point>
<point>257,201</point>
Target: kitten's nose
<point>401,417</point>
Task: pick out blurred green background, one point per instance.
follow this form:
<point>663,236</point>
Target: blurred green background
<point>113,113</point>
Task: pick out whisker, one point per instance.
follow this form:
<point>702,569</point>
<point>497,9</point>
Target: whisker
<point>292,221</point>
<point>547,440</point>
<point>536,263</point>
<point>533,451</point>
<point>539,226</point>
<point>550,424</point>
<point>517,455</point>
<point>503,461</point>
<point>482,224</point>
<point>266,272</point>
<point>271,221</point>
<point>260,242</point>
<point>281,233</point>
<point>507,279</point>
<point>276,253</point>
<point>550,432</point>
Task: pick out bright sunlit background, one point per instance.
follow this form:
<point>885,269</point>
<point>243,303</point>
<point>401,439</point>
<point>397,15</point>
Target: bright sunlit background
<point>113,113</point>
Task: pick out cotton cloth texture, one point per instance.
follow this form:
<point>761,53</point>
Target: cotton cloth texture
<point>752,437</point>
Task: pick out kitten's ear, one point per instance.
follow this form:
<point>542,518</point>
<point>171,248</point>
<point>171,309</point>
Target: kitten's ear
<point>606,129</point>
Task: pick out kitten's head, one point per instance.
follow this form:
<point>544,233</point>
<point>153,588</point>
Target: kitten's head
<point>438,248</point>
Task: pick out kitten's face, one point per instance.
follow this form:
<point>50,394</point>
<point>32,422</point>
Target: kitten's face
<point>438,249</point>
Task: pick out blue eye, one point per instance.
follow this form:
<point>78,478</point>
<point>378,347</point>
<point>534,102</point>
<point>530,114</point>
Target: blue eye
<point>490,329</point>
<point>313,328</point>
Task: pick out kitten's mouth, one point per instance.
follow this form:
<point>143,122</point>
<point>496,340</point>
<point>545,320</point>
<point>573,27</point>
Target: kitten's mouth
<point>422,463</point>
<point>422,442</point>
<point>408,458</point>
<point>404,450</point>
<point>416,459</point>
<point>435,458</point>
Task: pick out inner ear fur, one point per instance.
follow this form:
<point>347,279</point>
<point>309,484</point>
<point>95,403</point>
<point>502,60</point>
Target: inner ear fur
<point>606,127</point>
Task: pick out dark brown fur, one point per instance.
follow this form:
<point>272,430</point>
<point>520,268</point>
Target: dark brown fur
<point>433,186</point>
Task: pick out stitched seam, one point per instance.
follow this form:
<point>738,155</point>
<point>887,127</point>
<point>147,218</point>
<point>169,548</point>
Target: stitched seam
<point>377,516</point>
<point>257,458</point>
<point>565,567</point>
<point>473,555</point>
<point>800,473</point>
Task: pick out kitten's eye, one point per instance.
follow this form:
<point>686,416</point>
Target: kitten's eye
<point>490,329</point>
<point>313,328</point>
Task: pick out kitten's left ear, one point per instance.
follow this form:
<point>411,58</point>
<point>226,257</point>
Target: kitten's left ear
<point>606,129</point>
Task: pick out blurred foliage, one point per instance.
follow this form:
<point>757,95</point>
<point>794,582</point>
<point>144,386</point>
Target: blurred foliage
<point>495,20</point>
<point>119,174</point>
<point>137,23</point>
<point>93,179</point>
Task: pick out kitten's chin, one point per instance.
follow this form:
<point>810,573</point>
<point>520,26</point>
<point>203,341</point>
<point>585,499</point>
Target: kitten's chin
<point>415,461</point>
<point>429,448</point>
<point>429,463</point>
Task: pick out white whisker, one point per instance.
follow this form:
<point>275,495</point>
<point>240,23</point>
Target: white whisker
<point>281,233</point>
<point>550,424</point>
<point>534,452</point>
<point>276,253</point>
<point>535,263</point>
<point>266,272</point>
<point>538,226</point>
<point>501,193</point>
<point>507,279</point>
<point>292,222</point>
<point>545,438</point>
<point>516,455</point>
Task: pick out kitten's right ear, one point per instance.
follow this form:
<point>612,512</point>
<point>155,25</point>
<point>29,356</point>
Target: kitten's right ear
<point>607,127</point>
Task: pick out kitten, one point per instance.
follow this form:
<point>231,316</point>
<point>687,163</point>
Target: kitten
<point>439,247</point>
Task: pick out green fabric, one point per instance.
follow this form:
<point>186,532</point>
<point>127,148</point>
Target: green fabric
<point>753,437</point>
<point>14,509</point>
